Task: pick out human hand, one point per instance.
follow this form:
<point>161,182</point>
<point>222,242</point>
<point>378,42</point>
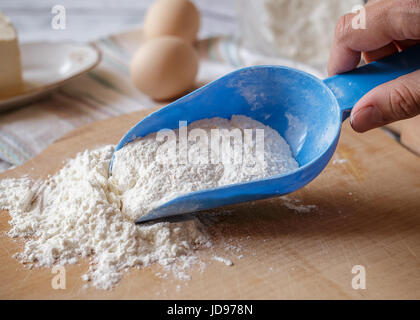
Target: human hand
<point>391,26</point>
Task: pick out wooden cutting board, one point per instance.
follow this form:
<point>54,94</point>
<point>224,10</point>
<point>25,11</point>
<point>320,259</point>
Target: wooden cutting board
<point>368,214</point>
<point>408,132</point>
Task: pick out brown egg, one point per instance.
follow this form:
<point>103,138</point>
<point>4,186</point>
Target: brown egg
<point>164,68</point>
<point>178,18</point>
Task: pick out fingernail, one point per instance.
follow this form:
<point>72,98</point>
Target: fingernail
<point>366,118</point>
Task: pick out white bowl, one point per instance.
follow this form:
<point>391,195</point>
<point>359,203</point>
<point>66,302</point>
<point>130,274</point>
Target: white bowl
<point>48,65</point>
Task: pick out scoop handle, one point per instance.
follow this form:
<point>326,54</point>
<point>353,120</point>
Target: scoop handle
<point>349,87</point>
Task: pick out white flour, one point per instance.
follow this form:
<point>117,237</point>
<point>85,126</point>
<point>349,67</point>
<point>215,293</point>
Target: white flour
<point>79,211</point>
<point>166,178</point>
<point>227,262</point>
<point>75,215</point>
<point>302,30</point>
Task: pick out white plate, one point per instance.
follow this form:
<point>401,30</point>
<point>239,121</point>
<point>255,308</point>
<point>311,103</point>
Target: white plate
<point>48,65</point>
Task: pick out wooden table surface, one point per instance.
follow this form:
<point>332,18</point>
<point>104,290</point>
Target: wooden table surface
<point>368,215</point>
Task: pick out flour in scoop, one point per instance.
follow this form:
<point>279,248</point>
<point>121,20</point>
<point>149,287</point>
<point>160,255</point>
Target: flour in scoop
<point>82,213</point>
<point>146,175</point>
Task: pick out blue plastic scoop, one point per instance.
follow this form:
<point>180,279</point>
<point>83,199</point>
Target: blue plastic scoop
<point>305,110</point>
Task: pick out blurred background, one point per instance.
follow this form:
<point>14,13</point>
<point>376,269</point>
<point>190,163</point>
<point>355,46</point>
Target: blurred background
<point>232,34</point>
<point>300,30</point>
<point>89,20</point>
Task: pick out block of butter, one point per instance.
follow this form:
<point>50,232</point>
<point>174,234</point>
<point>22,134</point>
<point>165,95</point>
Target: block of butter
<point>11,82</point>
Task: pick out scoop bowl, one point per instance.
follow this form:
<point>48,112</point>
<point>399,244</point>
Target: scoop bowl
<point>305,110</point>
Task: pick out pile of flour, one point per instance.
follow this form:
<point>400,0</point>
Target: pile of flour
<point>73,214</point>
<point>144,176</point>
<point>82,213</point>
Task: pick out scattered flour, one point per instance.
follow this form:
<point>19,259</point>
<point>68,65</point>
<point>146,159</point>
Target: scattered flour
<point>338,160</point>
<point>82,213</point>
<point>223,260</point>
<point>294,204</point>
<point>75,215</point>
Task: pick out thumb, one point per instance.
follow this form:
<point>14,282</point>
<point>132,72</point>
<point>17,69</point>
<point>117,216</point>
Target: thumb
<point>395,100</point>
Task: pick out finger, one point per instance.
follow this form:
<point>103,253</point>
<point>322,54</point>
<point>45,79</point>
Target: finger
<point>402,45</point>
<point>393,47</point>
<point>395,100</point>
<point>350,42</point>
<point>380,53</point>
<point>385,22</point>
